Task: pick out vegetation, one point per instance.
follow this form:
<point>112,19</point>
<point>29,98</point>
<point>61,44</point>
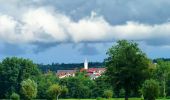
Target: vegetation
<point>150,89</point>
<point>13,72</point>
<point>108,94</point>
<point>162,74</point>
<point>63,66</point>
<point>127,67</point>
<point>15,96</point>
<point>129,73</point>
<point>29,89</point>
<point>56,90</point>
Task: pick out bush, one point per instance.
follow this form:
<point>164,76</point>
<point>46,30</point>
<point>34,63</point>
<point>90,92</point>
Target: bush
<point>29,89</point>
<point>56,90</point>
<point>122,93</point>
<point>15,96</point>
<point>108,93</point>
<point>150,89</point>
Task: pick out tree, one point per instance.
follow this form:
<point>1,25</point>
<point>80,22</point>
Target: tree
<point>14,70</point>
<point>127,66</point>
<point>44,81</point>
<point>150,89</point>
<point>101,84</point>
<point>162,74</point>
<point>15,96</point>
<point>56,90</point>
<point>29,89</point>
<point>108,93</point>
<point>79,86</point>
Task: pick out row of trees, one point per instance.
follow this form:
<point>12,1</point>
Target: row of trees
<point>129,74</point>
<point>21,78</point>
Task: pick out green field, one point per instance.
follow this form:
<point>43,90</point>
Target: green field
<point>112,99</point>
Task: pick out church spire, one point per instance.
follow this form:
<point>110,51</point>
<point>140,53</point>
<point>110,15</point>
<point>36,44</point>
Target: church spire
<point>85,64</point>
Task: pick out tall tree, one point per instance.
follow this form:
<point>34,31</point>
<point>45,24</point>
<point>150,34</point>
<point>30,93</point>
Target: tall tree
<point>127,66</point>
<point>14,70</point>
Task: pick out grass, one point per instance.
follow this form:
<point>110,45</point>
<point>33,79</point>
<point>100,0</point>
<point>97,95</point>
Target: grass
<point>113,99</point>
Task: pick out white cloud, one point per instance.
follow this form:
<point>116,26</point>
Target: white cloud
<point>47,26</point>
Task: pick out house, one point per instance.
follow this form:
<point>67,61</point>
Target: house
<point>93,73</point>
<point>66,73</point>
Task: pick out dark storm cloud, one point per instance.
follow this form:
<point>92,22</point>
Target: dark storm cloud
<point>115,11</point>
<point>148,19</point>
<point>86,49</point>
<point>41,47</point>
<point>11,49</point>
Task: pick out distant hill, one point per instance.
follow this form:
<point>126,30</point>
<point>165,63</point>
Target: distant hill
<point>63,66</point>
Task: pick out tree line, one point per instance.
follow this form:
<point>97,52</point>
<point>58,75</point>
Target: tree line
<point>129,73</point>
<point>69,66</point>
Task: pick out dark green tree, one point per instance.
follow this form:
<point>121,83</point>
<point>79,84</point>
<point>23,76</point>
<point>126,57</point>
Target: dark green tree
<point>44,81</point>
<point>127,66</point>
<point>79,86</point>
<point>14,70</point>
<point>101,84</point>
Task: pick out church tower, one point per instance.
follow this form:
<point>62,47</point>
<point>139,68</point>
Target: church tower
<point>85,64</point>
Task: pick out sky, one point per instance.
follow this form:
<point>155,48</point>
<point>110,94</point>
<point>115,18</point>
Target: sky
<point>69,31</point>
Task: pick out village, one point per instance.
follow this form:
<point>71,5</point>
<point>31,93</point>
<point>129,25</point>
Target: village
<point>93,73</point>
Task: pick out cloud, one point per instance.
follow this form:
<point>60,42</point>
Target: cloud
<point>11,49</point>
<point>44,25</point>
<point>40,47</point>
<point>85,49</point>
<point>34,26</point>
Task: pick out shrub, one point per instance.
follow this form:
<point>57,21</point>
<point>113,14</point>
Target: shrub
<point>56,90</point>
<point>15,96</point>
<point>150,89</point>
<point>108,93</point>
<point>29,89</point>
<point>122,93</point>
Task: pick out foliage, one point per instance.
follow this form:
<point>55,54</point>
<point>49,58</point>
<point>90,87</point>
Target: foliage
<point>108,93</point>
<point>122,93</point>
<point>56,90</point>
<point>29,89</point>
<point>79,86</point>
<point>100,84</point>
<point>15,96</point>
<point>127,66</point>
<point>44,81</point>
<point>13,71</point>
<point>162,74</point>
<point>150,89</point>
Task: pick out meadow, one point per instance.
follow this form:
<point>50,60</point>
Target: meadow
<point>113,99</point>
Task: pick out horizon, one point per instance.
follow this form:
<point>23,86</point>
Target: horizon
<point>69,31</point>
